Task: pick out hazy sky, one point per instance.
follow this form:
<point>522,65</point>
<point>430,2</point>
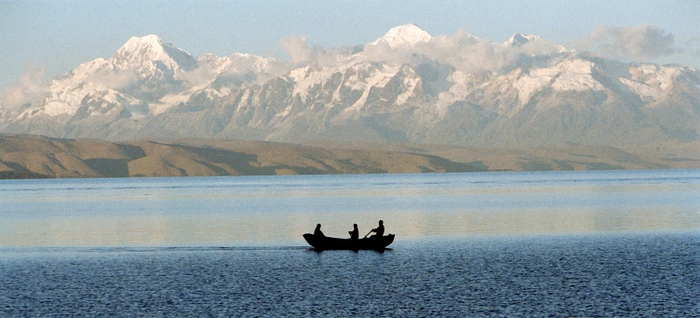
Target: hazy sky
<point>56,36</point>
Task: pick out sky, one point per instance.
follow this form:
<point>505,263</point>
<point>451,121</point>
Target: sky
<point>40,40</point>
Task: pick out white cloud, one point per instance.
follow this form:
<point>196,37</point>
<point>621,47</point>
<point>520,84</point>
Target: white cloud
<point>461,50</point>
<point>198,76</point>
<point>635,42</point>
<point>113,79</point>
<point>31,89</point>
<point>382,52</point>
<point>298,48</point>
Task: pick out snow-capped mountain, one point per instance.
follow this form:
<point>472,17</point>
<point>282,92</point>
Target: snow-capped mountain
<point>152,57</point>
<point>406,86</point>
<point>403,36</point>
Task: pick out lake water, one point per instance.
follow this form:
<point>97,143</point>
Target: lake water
<point>594,243</point>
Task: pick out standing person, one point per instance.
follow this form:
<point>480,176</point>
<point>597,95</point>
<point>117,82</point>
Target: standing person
<point>379,230</point>
<point>317,231</point>
<point>355,233</point>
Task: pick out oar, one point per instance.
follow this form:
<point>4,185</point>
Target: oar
<point>370,231</point>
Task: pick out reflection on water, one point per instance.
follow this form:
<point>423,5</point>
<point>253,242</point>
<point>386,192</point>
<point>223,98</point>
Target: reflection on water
<point>244,211</point>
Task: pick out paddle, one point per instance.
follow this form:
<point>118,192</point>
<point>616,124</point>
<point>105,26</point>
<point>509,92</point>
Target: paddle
<point>370,231</point>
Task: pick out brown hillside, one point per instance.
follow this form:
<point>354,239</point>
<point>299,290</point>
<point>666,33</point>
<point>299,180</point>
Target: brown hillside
<point>27,156</point>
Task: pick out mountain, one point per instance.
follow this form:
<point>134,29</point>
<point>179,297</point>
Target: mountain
<point>407,87</point>
<point>151,56</point>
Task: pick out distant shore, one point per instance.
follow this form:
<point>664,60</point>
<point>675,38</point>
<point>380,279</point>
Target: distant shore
<point>31,156</point>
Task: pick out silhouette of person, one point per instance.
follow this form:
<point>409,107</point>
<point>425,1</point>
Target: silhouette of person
<point>317,231</point>
<point>355,233</point>
<point>379,230</point>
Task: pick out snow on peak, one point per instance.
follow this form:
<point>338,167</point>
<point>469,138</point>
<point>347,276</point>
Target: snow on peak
<point>139,51</point>
<point>213,61</point>
<point>537,43</point>
<point>404,35</point>
<point>147,40</point>
<point>519,39</point>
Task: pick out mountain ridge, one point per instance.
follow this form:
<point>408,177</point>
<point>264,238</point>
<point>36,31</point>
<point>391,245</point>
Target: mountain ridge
<point>414,87</point>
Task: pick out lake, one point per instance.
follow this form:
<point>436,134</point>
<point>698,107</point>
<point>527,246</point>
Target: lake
<point>585,243</point>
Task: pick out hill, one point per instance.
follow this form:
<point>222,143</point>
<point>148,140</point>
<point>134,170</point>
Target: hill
<point>30,156</point>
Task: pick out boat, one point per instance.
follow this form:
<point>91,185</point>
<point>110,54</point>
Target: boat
<point>333,243</point>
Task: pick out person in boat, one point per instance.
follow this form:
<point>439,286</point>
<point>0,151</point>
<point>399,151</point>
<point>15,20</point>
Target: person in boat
<point>379,230</point>
<point>317,231</point>
<point>355,233</point>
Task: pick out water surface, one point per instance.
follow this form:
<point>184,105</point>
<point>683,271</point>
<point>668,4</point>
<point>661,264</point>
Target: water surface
<point>274,211</point>
<point>600,244</point>
<point>651,275</point>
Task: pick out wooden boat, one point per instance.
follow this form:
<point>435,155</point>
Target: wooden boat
<point>333,243</point>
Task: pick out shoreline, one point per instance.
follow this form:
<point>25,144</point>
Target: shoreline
<point>34,157</point>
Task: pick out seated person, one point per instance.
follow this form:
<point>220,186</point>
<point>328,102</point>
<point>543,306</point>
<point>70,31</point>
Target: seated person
<point>355,233</point>
<point>379,230</point>
<point>317,231</point>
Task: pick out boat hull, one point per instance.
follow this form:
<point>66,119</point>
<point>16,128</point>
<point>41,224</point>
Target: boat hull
<point>332,243</point>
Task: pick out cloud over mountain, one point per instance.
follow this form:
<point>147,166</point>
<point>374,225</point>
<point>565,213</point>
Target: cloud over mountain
<point>639,42</point>
<point>298,48</point>
<point>31,89</point>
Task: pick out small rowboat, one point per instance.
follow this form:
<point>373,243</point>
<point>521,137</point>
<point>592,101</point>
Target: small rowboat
<point>332,243</point>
